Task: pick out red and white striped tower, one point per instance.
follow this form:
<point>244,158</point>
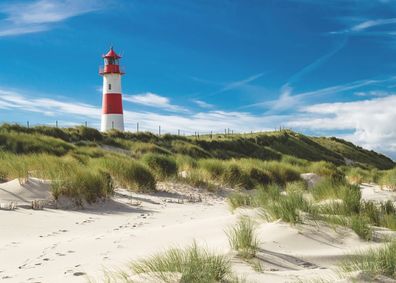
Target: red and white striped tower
<point>112,113</point>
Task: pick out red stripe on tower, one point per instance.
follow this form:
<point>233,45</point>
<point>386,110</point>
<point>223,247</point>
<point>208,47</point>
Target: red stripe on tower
<point>112,103</point>
<point>112,112</point>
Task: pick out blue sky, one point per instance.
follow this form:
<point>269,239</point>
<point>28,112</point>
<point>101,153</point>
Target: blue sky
<point>319,67</point>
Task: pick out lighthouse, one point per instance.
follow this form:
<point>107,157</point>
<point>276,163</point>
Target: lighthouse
<point>112,113</point>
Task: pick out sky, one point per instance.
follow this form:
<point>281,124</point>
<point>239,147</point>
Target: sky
<point>324,68</point>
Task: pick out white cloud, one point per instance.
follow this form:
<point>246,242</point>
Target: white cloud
<point>71,111</point>
<point>37,16</point>
<point>13,100</point>
<point>154,100</point>
<point>202,104</point>
<point>372,122</point>
<point>373,93</point>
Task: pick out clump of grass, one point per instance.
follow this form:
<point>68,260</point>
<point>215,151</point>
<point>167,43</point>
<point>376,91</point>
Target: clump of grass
<point>330,189</point>
<point>130,174</point>
<point>288,208</point>
<point>185,162</point>
<point>242,237</point>
<point>361,226</point>
<point>238,199</point>
<point>83,184</point>
<point>214,168</point>
<point>236,177</point>
<point>227,173</point>
<point>186,148</point>
<point>281,172</point>
<point>163,166</point>
<point>197,178</point>
<point>260,176</point>
<point>21,143</point>
<point>196,265</point>
<point>380,261</point>
<point>296,187</point>
<point>140,148</point>
<point>388,179</point>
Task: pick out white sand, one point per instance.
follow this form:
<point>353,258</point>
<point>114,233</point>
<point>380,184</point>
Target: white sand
<point>64,246</point>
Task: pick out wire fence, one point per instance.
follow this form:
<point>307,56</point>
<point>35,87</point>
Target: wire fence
<point>160,130</point>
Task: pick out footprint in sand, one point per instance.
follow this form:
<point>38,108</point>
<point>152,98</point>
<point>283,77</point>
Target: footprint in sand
<point>60,254</point>
<point>79,273</point>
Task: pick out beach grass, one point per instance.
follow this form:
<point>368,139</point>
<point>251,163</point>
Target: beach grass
<point>242,237</point>
<point>195,264</point>
<point>378,261</point>
<point>162,166</point>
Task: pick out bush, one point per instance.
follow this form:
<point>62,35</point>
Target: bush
<point>242,238</point>
<point>195,265</point>
<point>131,174</point>
<point>163,166</point>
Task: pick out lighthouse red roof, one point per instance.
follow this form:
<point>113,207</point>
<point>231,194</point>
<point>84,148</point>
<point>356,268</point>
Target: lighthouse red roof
<point>112,54</point>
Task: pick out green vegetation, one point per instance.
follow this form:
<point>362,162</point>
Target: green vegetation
<point>129,173</point>
<point>335,202</point>
<point>242,237</point>
<point>163,166</point>
<point>195,265</point>
<point>258,162</point>
<point>381,261</point>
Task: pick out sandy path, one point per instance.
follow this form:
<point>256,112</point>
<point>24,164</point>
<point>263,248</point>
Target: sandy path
<point>66,246</point>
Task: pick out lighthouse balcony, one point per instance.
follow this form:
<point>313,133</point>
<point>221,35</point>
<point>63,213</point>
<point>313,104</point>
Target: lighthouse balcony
<point>111,69</point>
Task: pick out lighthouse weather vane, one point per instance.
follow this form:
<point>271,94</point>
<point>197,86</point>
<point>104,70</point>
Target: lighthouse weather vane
<point>112,112</point>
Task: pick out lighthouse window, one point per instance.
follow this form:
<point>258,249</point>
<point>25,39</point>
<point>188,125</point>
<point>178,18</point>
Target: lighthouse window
<point>109,86</point>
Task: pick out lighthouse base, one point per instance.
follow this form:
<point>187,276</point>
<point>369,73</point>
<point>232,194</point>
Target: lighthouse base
<point>112,122</point>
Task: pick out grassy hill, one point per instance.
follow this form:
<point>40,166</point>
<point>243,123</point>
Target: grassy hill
<point>264,146</point>
<point>86,165</point>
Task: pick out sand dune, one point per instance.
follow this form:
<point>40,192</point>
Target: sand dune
<point>67,246</point>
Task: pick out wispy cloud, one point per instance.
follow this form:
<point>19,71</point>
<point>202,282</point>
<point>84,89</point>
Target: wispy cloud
<point>154,100</point>
<point>287,100</point>
<point>317,63</point>
<point>237,84</point>
<point>40,15</point>
<point>202,104</point>
<point>362,26</point>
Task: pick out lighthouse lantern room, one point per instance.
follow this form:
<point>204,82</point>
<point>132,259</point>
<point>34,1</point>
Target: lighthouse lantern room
<point>112,112</point>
